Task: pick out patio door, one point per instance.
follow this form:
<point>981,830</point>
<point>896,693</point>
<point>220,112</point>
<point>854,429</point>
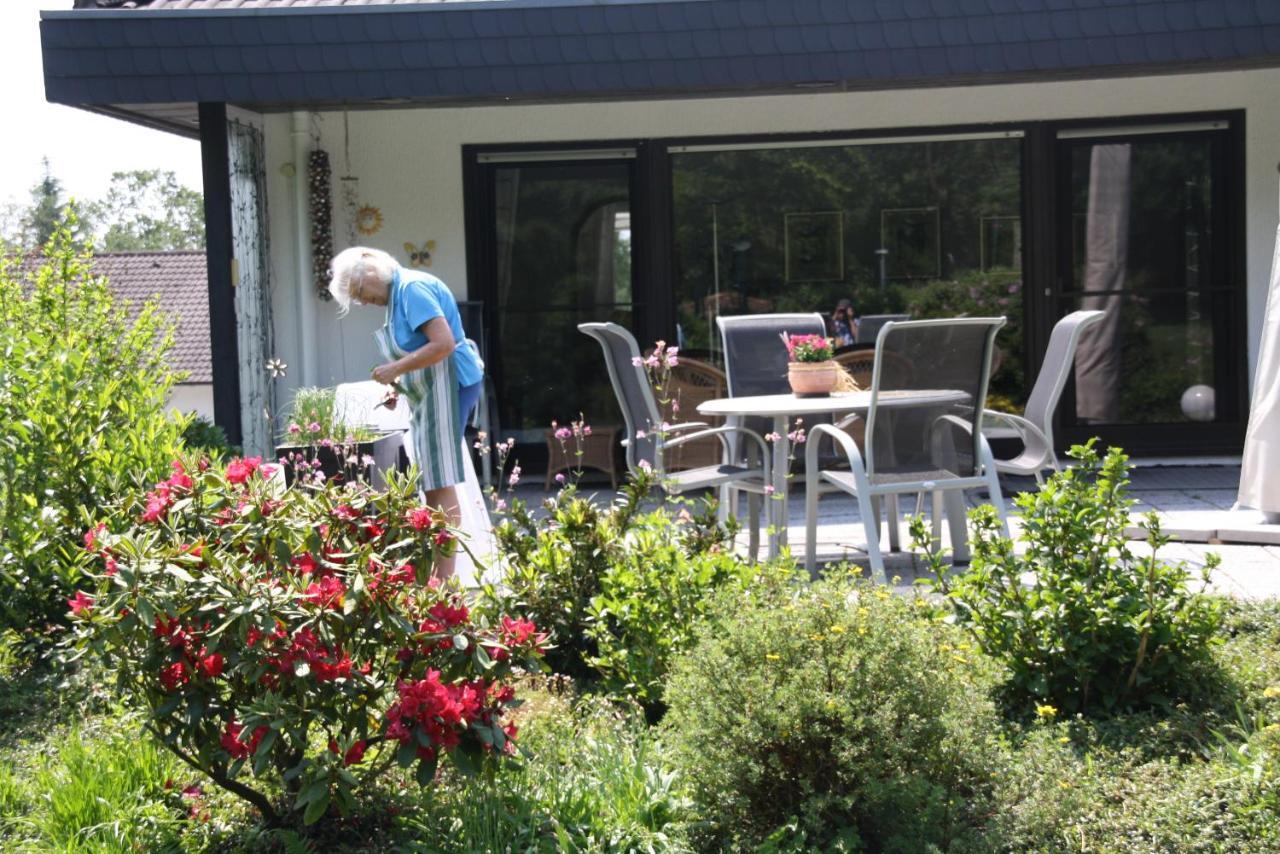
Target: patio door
<point>553,250</point>
<point>1143,216</point>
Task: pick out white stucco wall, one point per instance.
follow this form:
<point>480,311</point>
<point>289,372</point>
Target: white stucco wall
<point>409,164</point>
<point>192,397</point>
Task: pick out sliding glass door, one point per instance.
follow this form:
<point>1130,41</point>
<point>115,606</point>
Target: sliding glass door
<point>1143,235</point>
<point>560,233</point>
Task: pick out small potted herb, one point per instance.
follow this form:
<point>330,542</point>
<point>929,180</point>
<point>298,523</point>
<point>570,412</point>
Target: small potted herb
<point>318,443</point>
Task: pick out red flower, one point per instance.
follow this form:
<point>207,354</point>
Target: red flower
<point>346,513</point>
<point>174,675</point>
<point>253,636</point>
<point>327,671</point>
<point>239,471</point>
<point>92,536</point>
<point>158,502</point>
<point>519,632</point>
<point>326,593</point>
<point>81,604</point>
<point>419,518</point>
<point>443,538</point>
<point>211,666</point>
<point>372,530</point>
<point>111,567</point>
<point>354,754</point>
<point>179,479</point>
<point>510,746</point>
<point>304,564</point>
<point>238,749</point>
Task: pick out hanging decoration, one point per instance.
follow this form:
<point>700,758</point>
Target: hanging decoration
<point>319,177</point>
<point>420,257</point>
<point>368,220</point>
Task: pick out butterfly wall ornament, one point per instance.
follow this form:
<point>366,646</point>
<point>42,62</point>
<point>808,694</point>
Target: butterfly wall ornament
<point>420,257</point>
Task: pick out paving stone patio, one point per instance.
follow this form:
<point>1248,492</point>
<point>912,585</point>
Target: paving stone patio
<point>1194,503</point>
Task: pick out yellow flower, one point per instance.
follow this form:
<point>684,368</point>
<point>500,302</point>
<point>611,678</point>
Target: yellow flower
<point>944,647</point>
<point>837,630</point>
<point>815,637</point>
<point>1271,692</point>
<point>771,657</point>
<point>1064,784</point>
<point>1064,740</point>
<point>1046,712</point>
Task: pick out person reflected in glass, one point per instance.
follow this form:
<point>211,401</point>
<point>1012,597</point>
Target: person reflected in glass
<point>427,356</point>
<point>844,324</point>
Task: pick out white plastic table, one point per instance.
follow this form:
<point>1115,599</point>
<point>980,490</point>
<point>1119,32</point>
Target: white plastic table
<point>782,408</point>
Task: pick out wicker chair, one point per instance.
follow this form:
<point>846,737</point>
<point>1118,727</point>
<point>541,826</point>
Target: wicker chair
<point>694,382</point>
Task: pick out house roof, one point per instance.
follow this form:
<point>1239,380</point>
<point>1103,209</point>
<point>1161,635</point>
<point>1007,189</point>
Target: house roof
<point>289,54</point>
<point>179,281</point>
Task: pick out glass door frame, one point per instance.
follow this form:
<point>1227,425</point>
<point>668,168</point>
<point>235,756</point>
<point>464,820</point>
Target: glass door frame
<point>653,242</point>
<point>480,166</point>
<point>1228,298</point>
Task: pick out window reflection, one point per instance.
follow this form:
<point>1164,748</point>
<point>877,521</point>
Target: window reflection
<point>926,229</point>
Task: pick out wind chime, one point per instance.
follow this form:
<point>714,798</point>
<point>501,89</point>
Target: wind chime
<point>319,183</point>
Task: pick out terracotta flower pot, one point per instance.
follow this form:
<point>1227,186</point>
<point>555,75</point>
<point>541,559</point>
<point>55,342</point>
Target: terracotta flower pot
<point>813,379</point>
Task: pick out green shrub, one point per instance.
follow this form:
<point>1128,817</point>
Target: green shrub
<point>832,714</point>
<point>203,436</point>
<point>83,390</point>
<point>290,641</point>
<point>584,571</point>
<point>1097,628</point>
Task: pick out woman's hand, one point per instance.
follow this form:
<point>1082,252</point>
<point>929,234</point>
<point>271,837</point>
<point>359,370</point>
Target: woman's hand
<point>386,374</point>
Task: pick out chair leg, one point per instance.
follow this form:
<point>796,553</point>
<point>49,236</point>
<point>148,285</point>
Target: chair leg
<point>753,519</point>
<point>811,523</point>
<point>895,531</point>
<point>871,524</point>
<point>936,512</point>
<point>957,517</point>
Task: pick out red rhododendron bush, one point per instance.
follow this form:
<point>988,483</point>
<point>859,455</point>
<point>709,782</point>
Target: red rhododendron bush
<point>291,644</point>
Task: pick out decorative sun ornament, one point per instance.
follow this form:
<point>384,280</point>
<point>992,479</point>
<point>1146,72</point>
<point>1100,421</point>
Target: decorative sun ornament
<point>368,220</point>
<point>420,257</point>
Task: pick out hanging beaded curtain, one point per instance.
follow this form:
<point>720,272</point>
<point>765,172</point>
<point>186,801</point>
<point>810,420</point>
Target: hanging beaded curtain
<point>252,281</point>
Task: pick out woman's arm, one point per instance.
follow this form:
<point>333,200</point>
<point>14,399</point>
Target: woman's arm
<point>440,346</point>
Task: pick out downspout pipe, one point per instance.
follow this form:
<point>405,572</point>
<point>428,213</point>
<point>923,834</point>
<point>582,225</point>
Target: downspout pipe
<point>306,313</point>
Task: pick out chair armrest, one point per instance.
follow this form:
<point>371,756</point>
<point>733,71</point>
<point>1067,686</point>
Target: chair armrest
<point>721,433</point>
<point>687,425</point>
<point>993,419</point>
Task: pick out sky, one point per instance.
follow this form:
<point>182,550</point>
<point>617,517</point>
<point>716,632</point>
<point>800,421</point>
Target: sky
<point>83,148</point>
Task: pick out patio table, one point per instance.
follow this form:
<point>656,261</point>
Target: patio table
<point>783,407</point>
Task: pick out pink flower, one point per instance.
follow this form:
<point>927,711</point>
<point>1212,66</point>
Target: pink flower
<point>239,471</point>
<point>294,429</point>
<point>560,478</point>
<point>81,604</point>
<point>92,536</point>
<point>328,592</point>
<point>313,427</point>
<point>515,476</point>
<point>768,489</point>
<point>563,434</point>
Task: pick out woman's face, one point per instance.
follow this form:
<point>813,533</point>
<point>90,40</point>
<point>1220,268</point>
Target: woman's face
<point>368,289</point>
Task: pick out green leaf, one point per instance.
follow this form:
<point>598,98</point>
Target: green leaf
<point>406,753</point>
<point>316,809</point>
<point>426,771</point>
<point>312,791</point>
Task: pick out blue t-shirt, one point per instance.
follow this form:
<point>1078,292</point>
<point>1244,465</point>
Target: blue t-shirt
<point>418,297</point>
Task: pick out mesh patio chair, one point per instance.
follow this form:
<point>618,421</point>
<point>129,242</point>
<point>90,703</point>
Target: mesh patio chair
<point>920,432</point>
<point>647,445</point>
<point>755,359</point>
<point>1035,426</point>
<point>869,326</point>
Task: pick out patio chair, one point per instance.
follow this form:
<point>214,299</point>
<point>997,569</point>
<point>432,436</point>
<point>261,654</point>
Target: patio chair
<point>869,326</point>
<point>645,444</point>
<point>755,359</point>
<point>920,432</point>
<point>1035,426</point>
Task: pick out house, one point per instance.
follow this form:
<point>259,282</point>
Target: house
<point>658,162</point>
<point>178,282</point>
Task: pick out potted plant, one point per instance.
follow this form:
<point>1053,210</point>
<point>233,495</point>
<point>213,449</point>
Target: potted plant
<point>318,442</point>
<point>811,371</point>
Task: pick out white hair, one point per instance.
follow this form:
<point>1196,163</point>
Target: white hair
<point>352,264</point>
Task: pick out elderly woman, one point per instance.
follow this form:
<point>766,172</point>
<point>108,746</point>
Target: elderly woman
<point>427,355</point>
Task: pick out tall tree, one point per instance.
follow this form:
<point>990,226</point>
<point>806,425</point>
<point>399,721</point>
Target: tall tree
<point>148,210</point>
<point>42,216</point>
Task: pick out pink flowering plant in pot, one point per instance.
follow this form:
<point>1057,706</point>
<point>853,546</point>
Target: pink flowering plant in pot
<point>290,643</point>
